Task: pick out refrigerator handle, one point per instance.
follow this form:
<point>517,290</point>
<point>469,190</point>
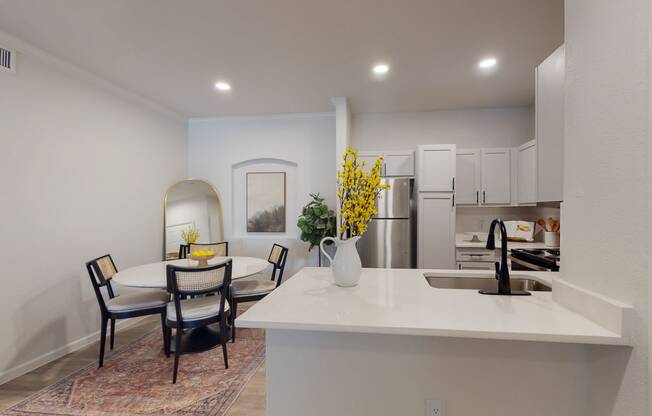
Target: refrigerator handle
<point>453,200</point>
<point>453,183</point>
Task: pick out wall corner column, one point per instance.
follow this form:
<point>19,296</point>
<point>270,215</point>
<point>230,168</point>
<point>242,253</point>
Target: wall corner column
<point>342,136</point>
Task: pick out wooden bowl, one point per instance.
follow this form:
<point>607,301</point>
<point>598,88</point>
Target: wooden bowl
<point>203,260</point>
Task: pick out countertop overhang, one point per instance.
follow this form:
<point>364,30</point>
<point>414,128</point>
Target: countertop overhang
<point>401,302</point>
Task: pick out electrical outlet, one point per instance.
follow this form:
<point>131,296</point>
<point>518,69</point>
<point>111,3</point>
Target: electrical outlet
<point>435,407</point>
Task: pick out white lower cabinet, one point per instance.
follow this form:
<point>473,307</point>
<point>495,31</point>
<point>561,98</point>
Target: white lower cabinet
<point>475,265</point>
<point>476,258</point>
<point>436,231</point>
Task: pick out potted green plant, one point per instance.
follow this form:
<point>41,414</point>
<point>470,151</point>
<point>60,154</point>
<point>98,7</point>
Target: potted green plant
<point>316,222</point>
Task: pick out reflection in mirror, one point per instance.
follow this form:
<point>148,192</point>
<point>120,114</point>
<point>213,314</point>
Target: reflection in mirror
<point>191,207</point>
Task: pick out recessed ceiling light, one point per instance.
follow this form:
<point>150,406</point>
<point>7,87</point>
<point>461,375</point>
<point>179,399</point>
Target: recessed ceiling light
<point>223,86</point>
<point>487,63</point>
<point>380,69</point>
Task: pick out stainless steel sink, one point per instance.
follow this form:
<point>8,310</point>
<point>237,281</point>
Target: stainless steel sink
<point>484,283</point>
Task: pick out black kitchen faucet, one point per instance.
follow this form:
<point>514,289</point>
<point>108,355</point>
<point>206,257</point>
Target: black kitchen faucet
<point>502,269</point>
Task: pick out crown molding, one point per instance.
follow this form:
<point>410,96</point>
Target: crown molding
<point>278,116</point>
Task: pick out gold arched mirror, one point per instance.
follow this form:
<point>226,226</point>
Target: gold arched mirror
<point>191,205</point>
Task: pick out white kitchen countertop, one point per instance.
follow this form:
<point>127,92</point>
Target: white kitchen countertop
<point>400,301</point>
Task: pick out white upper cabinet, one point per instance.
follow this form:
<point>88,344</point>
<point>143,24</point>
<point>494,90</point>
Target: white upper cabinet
<point>496,176</point>
<point>468,177</point>
<point>549,120</point>
<point>399,163</point>
<point>436,168</point>
<point>396,162</point>
<point>527,173</point>
<point>369,158</point>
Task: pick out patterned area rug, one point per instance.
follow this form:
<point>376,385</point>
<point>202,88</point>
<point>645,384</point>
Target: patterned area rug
<point>137,380</point>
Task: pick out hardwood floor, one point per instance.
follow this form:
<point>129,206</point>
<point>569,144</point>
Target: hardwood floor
<point>251,401</point>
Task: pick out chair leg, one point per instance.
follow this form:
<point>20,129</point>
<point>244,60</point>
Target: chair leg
<point>165,336</point>
<point>112,332</point>
<point>177,353</point>
<point>102,339</point>
<point>168,340</point>
<point>224,352</point>
<point>234,313</point>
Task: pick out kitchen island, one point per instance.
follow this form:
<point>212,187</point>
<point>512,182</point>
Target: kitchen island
<point>389,344</point>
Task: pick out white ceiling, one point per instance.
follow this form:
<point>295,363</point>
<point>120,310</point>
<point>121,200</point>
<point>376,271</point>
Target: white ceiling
<point>293,55</point>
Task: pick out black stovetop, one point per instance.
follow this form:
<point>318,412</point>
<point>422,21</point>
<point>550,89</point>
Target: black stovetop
<point>545,257</point>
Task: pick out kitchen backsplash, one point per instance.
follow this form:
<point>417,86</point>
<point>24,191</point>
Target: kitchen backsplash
<point>478,219</point>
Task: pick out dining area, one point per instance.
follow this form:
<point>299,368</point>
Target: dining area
<point>196,287</point>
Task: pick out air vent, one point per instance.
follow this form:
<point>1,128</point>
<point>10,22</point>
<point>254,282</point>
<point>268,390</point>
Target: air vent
<point>7,60</point>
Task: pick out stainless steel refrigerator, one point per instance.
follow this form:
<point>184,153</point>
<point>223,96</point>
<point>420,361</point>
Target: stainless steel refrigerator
<point>390,240</point>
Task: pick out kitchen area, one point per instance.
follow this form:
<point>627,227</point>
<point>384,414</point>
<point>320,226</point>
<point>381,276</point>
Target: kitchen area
<point>442,197</point>
<point>463,306</point>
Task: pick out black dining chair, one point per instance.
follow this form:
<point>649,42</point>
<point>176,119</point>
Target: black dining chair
<point>129,305</point>
<point>220,249</point>
<point>258,286</point>
<point>185,314</point>
<point>183,251</point>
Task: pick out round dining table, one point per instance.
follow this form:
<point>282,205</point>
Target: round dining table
<point>153,275</point>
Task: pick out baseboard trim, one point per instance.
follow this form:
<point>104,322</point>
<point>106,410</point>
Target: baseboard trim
<point>73,346</point>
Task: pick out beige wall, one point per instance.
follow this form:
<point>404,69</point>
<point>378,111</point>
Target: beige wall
<point>83,169</point>
<point>605,215</point>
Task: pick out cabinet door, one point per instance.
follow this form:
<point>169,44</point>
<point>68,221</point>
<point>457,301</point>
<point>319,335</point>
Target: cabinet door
<point>549,120</point>
<point>370,158</point>
<point>399,163</point>
<point>436,168</point>
<point>436,231</point>
<point>496,179</point>
<point>527,173</point>
<point>467,177</point>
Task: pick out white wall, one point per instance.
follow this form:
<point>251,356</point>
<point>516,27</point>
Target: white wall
<point>83,171</point>
<point>221,150</point>
<point>491,127</point>
<point>605,215</point>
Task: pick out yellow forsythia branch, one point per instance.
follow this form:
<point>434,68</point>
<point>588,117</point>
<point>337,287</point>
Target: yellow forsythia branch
<point>190,236</point>
<point>357,190</point>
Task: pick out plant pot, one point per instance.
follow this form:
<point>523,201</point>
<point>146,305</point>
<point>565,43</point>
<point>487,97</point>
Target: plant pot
<point>346,264</point>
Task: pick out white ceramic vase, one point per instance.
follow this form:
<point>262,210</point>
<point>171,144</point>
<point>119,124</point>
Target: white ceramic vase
<point>346,263</point>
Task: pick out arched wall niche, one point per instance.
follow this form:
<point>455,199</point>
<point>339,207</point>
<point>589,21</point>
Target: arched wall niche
<point>293,187</point>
